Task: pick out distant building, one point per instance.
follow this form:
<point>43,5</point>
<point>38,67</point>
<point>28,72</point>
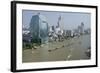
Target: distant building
<point>87,31</point>
<point>39,28</point>
<point>51,29</point>
<point>60,22</point>
<point>68,33</point>
<point>26,36</point>
<point>81,28</point>
<point>76,32</point>
<point>59,27</point>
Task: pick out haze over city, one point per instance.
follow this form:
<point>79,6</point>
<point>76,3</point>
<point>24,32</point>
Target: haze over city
<point>70,20</point>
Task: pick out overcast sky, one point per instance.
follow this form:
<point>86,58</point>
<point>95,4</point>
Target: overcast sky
<point>70,20</point>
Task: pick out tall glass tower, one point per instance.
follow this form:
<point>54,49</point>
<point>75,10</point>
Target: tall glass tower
<point>39,28</point>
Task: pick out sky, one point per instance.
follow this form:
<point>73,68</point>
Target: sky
<point>70,20</point>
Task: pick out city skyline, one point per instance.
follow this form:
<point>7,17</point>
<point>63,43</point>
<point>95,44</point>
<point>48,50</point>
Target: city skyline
<point>70,20</point>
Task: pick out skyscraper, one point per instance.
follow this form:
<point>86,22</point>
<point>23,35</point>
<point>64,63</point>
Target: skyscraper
<point>39,28</point>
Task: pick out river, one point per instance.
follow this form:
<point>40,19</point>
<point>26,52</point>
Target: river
<point>70,49</point>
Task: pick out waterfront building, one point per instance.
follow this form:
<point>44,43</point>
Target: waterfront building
<point>26,36</point>
<point>87,31</point>
<point>68,33</point>
<point>39,28</point>
<point>60,22</point>
<point>81,28</point>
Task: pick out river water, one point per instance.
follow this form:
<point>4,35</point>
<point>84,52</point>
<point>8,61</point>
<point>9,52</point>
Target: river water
<point>71,49</point>
<point>86,41</point>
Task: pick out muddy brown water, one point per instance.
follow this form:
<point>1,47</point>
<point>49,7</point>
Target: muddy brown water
<point>71,49</point>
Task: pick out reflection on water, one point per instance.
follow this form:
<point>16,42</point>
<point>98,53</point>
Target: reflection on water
<point>70,49</point>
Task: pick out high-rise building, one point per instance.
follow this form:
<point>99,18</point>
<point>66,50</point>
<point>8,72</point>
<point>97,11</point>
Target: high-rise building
<point>39,28</point>
<point>60,22</point>
<point>81,28</point>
